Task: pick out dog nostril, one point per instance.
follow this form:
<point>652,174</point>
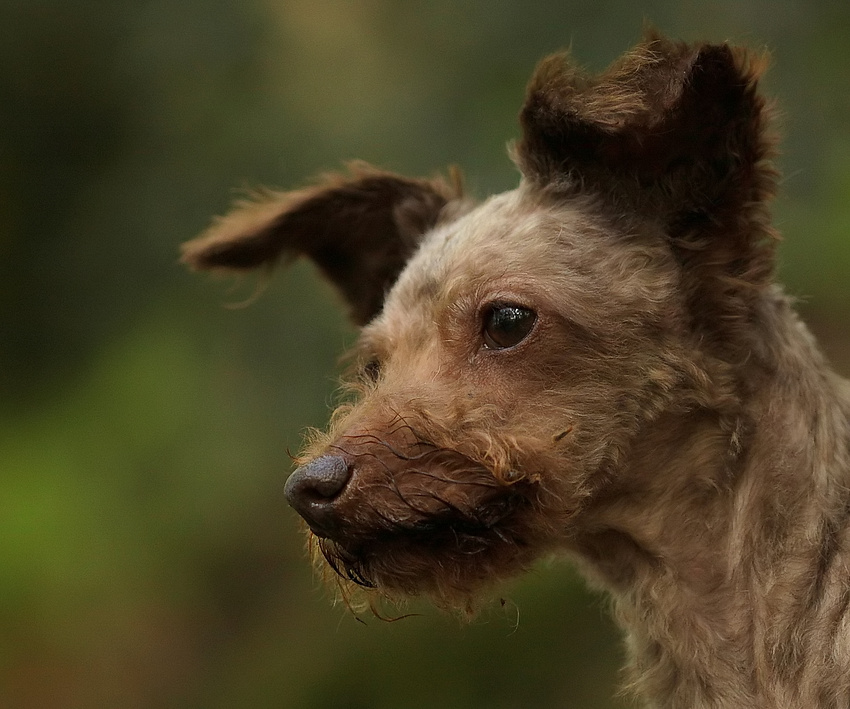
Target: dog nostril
<point>312,488</point>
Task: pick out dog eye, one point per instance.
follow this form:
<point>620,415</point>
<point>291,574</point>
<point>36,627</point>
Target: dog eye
<point>506,326</point>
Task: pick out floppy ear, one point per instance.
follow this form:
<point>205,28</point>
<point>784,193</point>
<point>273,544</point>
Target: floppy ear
<point>360,229</point>
<point>671,131</point>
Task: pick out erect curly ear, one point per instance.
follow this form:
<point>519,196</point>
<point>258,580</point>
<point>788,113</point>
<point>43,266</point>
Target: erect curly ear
<point>360,229</point>
<point>672,131</point>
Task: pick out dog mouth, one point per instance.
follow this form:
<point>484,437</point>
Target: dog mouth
<point>407,521</point>
<point>408,555</point>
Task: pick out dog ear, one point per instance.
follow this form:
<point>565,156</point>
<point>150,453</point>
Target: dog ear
<point>360,229</point>
<point>672,131</point>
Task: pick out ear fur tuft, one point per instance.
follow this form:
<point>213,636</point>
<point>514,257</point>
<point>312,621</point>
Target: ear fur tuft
<point>359,228</point>
<point>674,132</point>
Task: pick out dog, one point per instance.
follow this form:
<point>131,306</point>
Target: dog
<point>596,363</point>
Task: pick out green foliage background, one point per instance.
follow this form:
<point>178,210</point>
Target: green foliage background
<point>147,557</point>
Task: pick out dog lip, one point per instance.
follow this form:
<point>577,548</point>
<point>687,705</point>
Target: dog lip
<point>324,530</point>
<point>442,528</point>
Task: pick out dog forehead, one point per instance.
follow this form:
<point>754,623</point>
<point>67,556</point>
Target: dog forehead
<point>510,236</point>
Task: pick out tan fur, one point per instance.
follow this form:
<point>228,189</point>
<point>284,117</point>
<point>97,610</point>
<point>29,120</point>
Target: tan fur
<point>667,421</point>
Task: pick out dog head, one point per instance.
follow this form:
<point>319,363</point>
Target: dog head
<point>512,351</point>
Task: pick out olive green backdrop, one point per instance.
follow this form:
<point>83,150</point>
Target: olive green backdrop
<point>147,556</point>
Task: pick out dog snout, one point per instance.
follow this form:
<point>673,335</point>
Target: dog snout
<point>312,489</point>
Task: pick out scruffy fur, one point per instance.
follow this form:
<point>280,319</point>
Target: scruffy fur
<point>667,420</point>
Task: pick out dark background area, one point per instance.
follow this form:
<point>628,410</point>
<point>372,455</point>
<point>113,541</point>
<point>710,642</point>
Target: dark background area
<point>147,556</point>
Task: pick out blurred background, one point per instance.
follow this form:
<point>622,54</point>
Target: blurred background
<point>147,556</point>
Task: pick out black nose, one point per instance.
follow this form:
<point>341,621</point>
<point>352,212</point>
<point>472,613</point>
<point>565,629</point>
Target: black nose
<point>312,489</point>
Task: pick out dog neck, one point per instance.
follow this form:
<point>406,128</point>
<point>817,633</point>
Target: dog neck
<point>724,549</point>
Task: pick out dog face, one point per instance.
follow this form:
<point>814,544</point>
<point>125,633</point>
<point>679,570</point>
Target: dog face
<point>492,396</point>
<point>512,352</point>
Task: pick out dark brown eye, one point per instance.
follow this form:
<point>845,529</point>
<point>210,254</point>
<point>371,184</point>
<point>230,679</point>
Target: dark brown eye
<point>506,325</point>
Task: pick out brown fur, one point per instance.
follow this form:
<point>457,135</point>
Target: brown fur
<point>667,420</point>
